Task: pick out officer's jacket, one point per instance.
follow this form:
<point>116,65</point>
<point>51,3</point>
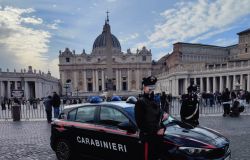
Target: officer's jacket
<point>188,108</point>
<point>148,115</point>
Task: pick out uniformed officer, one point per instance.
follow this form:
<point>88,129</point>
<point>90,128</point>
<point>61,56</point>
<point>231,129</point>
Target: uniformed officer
<point>149,119</point>
<point>189,107</point>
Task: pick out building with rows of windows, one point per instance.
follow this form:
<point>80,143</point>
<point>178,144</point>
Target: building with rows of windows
<point>106,68</point>
<point>212,68</point>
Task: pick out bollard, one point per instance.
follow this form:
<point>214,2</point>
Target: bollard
<point>16,108</point>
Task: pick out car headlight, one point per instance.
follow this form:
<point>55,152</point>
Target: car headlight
<point>194,151</point>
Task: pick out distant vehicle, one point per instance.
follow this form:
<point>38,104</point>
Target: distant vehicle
<point>107,130</point>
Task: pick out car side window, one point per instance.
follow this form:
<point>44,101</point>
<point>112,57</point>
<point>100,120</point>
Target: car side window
<point>85,114</point>
<point>71,115</point>
<point>111,116</point>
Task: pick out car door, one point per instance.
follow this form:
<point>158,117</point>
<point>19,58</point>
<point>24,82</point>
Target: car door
<point>85,139</point>
<point>117,143</point>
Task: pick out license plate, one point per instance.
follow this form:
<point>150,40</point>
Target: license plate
<point>227,158</point>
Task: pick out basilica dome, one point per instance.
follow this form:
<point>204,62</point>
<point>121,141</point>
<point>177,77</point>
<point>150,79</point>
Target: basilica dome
<point>106,37</point>
<point>100,41</point>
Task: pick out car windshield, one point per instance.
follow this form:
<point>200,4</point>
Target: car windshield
<point>130,111</point>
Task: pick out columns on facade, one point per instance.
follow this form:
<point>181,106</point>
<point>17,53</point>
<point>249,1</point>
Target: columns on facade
<point>227,82</point>
<point>1,89</point>
<point>201,85</point>
<point>129,81</point>
<point>75,80</point>
<point>208,85</point>
<point>176,86</point>
<point>117,80</point>
<point>84,81</point>
<point>36,90</point>
<point>214,84</point>
<point>26,90</point>
<point>138,79</point>
<point>120,80</point>
<point>221,84</point>
<point>93,80</point>
<point>186,85</point>
<point>241,82</point>
<point>103,85</point>
<point>248,82</point>
<point>8,89</point>
<point>96,80</point>
<point>234,82</point>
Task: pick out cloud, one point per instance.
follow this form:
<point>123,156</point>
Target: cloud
<point>55,24</point>
<point>21,45</point>
<point>53,67</point>
<point>195,21</point>
<point>129,37</point>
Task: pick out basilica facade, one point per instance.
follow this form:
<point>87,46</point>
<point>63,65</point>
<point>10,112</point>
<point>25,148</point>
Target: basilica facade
<point>211,68</point>
<point>105,69</point>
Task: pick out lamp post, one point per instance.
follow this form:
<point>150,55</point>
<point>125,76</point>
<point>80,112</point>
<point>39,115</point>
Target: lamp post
<point>66,87</point>
<point>77,92</point>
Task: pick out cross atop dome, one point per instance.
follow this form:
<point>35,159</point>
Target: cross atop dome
<point>107,20</point>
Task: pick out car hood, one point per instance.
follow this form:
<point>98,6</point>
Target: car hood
<point>185,134</point>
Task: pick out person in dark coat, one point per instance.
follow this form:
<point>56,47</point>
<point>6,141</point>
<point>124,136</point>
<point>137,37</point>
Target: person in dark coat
<point>189,108</point>
<point>48,108</point>
<point>56,104</point>
<point>149,119</point>
<point>225,98</point>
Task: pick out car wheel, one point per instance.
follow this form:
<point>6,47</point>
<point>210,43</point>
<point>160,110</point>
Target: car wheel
<point>63,150</point>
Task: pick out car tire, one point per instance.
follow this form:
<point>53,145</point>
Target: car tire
<point>63,150</point>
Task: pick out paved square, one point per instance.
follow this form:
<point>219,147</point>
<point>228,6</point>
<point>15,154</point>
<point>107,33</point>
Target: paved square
<point>30,140</point>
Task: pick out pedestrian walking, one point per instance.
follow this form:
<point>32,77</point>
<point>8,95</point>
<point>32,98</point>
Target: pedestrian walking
<point>149,119</point>
<point>56,104</point>
<point>226,102</point>
<point>48,108</point>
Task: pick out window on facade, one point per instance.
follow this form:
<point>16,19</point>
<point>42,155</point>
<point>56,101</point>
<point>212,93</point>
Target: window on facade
<point>144,58</point>
<point>124,86</point>
<point>85,114</point>
<point>99,59</point>
<point>90,88</point>
<point>113,59</point>
<point>100,88</point>
<point>67,59</point>
<point>111,116</point>
<point>246,50</point>
<point>124,78</point>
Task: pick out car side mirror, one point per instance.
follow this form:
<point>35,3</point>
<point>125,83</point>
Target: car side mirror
<point>127,126</point>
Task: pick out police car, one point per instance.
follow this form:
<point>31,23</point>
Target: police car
<point>107,130</point>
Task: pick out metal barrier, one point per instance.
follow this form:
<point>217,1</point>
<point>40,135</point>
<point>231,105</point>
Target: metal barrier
<point>217,109</point>
<point>27,112</point>
<point>35,112</point>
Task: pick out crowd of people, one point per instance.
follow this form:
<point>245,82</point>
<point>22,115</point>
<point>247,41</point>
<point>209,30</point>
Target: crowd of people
<point>216,98</point>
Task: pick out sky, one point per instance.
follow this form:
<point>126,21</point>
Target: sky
<point>33,31</point>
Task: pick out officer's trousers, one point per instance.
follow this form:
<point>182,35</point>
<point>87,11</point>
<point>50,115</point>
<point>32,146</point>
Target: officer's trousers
<point>153,146</point>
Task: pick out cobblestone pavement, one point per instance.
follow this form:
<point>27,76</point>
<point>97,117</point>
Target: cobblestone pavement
<point>30,140</point>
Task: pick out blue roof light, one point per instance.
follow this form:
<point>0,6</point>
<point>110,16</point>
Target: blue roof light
<point>95,99</point>
<point>116,98</point>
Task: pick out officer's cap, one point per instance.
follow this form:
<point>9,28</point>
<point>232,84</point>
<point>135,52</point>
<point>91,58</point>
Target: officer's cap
<point>149,81</point>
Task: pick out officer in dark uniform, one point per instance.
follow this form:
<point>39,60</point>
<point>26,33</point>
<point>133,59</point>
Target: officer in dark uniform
<point>149,119</point>
<point>189,107</point>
